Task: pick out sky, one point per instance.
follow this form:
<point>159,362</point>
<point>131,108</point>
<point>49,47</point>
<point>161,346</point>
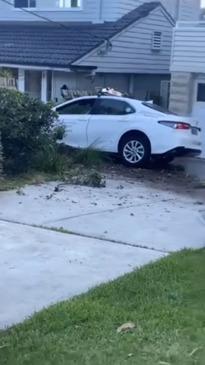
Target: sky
<point>203,3</point>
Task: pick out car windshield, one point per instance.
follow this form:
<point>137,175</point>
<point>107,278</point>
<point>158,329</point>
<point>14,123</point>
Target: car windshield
<point>158,108</point>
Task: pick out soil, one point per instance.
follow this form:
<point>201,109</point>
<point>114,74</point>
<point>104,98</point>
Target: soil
<point>171,178</point>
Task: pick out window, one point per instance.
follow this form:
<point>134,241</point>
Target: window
<point>201,92</point>
<point>24,3</point>
<point>77,107</point>
<point>156,41</point>
<point>69,3</point>
<point>112,107</point>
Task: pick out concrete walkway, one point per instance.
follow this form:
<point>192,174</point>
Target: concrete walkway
<point>114,230</point>
<point>39,267</point>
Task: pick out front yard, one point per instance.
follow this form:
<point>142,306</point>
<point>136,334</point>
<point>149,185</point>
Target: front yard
<point>165,301</point>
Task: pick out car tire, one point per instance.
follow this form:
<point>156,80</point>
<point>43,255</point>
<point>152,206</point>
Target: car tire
<point>135,150</point>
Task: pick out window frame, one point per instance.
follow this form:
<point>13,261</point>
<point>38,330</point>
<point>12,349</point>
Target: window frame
<point>62,5</point>
<point>54,8</point>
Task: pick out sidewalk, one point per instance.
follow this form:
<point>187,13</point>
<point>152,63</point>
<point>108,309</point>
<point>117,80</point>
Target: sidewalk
<point>41,267</point>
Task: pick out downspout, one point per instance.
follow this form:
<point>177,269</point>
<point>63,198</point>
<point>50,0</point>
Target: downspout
<point>100,10</point>
<point>178,5</point>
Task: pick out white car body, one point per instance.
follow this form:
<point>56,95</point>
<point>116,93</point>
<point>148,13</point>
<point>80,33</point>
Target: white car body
<point>103,131</point>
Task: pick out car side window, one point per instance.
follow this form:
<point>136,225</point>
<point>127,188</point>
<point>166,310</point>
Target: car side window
<point>112,107</point>
<point>83,106</point>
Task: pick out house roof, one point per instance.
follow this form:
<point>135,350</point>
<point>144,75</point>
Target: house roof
<point>58,45</point>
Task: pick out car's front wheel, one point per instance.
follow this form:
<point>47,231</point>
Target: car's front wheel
<point>135,150</point>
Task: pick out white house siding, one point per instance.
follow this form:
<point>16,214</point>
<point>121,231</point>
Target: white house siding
<point>179,9</point>
<point>97,10</point>
<point>114,9</point>
<point>48,8</point>
<point>188,53</point>
<point>132,49</point>
<point>189,10</point>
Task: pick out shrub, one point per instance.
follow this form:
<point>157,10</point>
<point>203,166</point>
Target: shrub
<point>27,131</point>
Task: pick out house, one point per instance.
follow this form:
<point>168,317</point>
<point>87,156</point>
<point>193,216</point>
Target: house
<point>51,46</point>
<point>94,11</point>
<point>188,72</point>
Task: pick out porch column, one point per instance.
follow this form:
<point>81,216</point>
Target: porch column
<point>131,84</point>
<point>44,86</point>
<point>181,93</point>
<point>21,80</point>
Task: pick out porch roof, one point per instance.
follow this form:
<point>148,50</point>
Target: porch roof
<point>60,45</point>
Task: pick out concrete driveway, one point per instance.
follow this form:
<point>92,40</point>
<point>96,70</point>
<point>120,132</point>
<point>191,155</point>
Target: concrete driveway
<point>104,233</point>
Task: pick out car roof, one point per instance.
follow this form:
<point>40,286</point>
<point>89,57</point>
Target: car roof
<point>122,98</point>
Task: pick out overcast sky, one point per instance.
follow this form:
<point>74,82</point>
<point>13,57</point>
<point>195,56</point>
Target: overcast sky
<point>203,3</point>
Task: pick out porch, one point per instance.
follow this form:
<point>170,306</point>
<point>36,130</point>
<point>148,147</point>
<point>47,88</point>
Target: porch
<point>59,85</point>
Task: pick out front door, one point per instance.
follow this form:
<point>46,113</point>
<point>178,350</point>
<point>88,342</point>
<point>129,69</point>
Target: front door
<point>74,116</point>
<point>199,109</point>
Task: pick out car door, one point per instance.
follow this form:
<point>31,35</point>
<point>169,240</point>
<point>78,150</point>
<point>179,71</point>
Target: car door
<point>74,116</point>
<point>109,118</point>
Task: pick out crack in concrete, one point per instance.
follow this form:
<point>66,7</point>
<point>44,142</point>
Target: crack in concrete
<point>110,210</point>
<point>104,239</point>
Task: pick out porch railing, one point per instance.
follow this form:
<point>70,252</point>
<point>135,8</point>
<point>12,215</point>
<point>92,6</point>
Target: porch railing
<point>8,83</point>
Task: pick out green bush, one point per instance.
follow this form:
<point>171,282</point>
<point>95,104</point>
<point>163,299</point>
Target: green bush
<point>28,132</point>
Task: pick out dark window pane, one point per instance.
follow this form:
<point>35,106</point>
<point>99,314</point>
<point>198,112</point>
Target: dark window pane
<point>74,3</point>
<point>201,92</point>
<point>25,3</point>
<point>112,107</point>
<point>77,107</point>
<point>21,3</point>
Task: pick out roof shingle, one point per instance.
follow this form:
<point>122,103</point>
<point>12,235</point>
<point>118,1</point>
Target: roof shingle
<point>59,46</point>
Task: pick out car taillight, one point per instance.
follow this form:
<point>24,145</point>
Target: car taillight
<point>176,125</point>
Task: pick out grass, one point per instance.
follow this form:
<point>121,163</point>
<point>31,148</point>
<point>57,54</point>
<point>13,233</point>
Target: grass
<point>72,166</point>
<point>165,300</point>
<point>30,178</point>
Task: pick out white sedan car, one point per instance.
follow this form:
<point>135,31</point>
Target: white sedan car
<point>136,130</point>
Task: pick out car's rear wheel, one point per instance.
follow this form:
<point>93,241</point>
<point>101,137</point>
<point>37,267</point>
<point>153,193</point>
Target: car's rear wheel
<point>135,150</point>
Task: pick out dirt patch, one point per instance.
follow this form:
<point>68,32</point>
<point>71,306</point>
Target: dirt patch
<point>172,178</point>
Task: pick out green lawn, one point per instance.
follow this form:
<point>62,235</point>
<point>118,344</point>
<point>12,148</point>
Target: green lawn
<point>165,300</point>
